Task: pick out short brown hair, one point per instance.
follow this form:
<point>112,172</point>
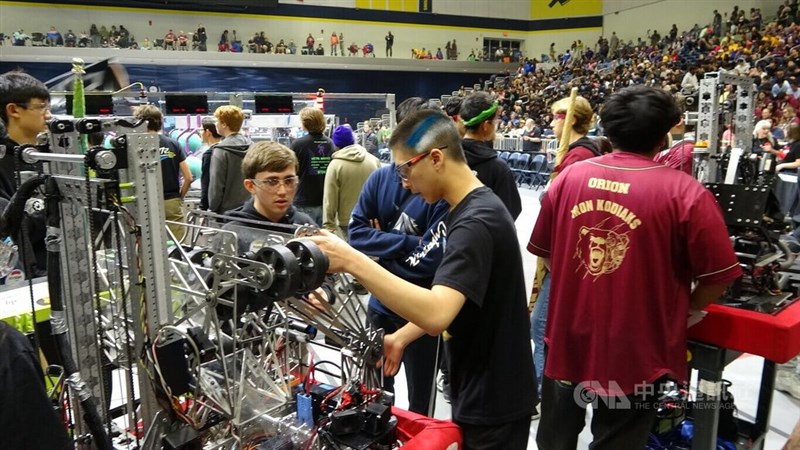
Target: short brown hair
<point>582,115</point>
<point>313,120</point>
<point>267,156</point>
<point>151,114</point>
<point>231,116</point>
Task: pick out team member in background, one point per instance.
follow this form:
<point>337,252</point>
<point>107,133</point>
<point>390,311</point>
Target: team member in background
<point>600,224</point>
<point>480,113</point>
<point>579,148</point>
<point>347,172</point>
<point>314,153</point>
<point>478,293</point>
<point>24,111</point>
<point>225,189</point>
<point>175,174</point>
<point>679,154</point>
<point>210,138</point>
<point>370,140</point>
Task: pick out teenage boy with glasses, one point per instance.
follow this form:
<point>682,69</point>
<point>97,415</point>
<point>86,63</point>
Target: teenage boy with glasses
<point>478,294</point>
<point>270,176</point>
<point>24,111</point>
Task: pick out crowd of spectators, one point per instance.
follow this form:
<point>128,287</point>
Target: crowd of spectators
<point>229,41</point>
<point>766,51</point>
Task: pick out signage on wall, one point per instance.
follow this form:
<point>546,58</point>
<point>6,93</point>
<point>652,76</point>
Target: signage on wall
<point>556,9</point>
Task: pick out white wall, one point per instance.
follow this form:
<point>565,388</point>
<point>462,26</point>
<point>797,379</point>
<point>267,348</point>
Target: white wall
<point>632,18</point>
<point>154,24</point>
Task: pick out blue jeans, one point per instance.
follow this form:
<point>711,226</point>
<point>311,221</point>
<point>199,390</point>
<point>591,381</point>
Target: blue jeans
<point>538,324</point>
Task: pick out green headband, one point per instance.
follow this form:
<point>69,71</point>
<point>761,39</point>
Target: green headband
<point>485,114</point>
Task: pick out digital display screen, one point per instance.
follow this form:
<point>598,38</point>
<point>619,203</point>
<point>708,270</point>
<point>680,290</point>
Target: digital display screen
<point>274,104</point>
<point>186,104</point>
<point>96,104</point>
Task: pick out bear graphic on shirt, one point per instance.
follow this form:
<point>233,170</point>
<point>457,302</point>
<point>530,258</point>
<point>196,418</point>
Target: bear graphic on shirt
<point>601,251</point>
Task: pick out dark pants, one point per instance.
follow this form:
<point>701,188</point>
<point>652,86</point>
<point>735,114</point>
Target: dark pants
<point>616,424</point>
<point>419,359</point>
<point>507,436</point>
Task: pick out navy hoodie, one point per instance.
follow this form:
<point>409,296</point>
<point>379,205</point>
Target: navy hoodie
<point>494,173</point>
<point>249,212</point>
<point>410,241</point>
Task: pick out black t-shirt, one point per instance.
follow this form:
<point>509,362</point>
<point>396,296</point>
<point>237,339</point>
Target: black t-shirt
<point>491,368</point>
<point>33,245</point>
<point>494,173</point>
<point>313,155</point>
<point>530,146</point>
<point>8,166</point>
<point>27,419</point>
<point>794,153</point>
<point>171,158</point>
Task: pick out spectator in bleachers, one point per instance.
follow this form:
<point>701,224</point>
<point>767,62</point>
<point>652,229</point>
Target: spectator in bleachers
<point>310,44</point>
<point>84,40</point>
<point>531,137</point>
<point>183,41</point>
<point>334,44</point>
<point>280,48</point>
<point>389,38</point>
<point>224,42</point>
<point>70,40</point>
<point>94,36</point>
<point>201,37</point>
<point>19,37</point>
<point>341,43</point>
<point>255,43</point>
<point>169,40</point>
<point>53,36</point>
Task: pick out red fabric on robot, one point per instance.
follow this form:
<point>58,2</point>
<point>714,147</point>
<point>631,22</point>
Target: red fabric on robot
<point>424,433</point>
